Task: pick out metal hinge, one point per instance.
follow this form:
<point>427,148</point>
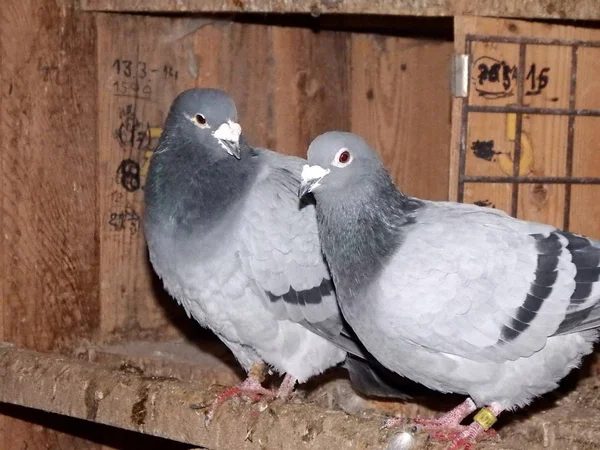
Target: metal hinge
<point>460,76</point>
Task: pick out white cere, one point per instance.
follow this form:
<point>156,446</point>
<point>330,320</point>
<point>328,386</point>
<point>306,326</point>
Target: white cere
<point>229,131</point>
<point>311,173</point>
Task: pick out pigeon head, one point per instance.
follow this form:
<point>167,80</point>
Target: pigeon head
<point>337,160</point>
<point>208,116</point>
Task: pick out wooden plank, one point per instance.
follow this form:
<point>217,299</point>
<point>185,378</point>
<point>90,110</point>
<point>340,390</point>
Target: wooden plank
<point>48,242</point>
<point>289,84</point>
<point>157,406</point>
<point>546,80</point>
<point>142,66</point>
<point>48,129</point>
<point>557,9</point>
<point>165,407</point>
<point>401,105</point>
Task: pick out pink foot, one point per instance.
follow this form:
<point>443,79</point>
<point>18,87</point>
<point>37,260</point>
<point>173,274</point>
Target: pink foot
<point>250,388</point>
<point>467,438</point>
<point>449,421</point>
<point>478,429</point>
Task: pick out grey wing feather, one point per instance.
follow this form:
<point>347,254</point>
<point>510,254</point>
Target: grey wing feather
<point>283,253</point>
<point>489,287</point>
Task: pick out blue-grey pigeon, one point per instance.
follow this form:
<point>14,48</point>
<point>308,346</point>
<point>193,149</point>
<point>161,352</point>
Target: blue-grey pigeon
<point>233,244</point>
<point>458,297</point>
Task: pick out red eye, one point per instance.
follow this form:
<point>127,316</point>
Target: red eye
<point>200,119</point>
<point>344,157</point>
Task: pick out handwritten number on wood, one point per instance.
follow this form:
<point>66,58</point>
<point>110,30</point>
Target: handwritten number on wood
<point>539,81</point>
<point>494,78</point>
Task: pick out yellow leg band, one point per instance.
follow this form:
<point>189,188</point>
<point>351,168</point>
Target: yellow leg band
<point>485,418</point>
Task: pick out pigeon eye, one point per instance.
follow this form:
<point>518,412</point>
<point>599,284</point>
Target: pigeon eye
<point>200,119</point>
<point>344,157</point>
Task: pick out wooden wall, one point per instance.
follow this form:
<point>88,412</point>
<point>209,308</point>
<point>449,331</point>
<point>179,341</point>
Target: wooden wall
<point>77,129</point>
<point>290,84</point>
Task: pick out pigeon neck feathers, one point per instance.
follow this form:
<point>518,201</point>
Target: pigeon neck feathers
<point>381,212</point>
<point>191,184</point>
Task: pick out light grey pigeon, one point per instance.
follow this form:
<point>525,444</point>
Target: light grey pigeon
<point>233,244</point>
<point>457,297</point>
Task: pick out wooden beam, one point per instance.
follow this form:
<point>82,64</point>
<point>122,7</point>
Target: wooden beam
<point>166,407</point>
<point>547,9</point>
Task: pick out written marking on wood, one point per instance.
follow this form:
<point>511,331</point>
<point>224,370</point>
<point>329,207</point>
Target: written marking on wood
<point>136,80</point>
<point>498,79</point>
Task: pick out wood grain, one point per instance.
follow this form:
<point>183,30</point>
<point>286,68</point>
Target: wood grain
<point>49,249</point>
<point>286,92</point>
<point>289,84</point>
<point>401,105</point>
<point>48,239</point>
<point>142,66</point>
<point>558,9</point>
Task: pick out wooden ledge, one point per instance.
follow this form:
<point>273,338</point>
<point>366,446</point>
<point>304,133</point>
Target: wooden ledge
<point>542,9</point>
<point>167,407</point>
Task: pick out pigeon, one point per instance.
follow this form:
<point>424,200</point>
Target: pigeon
<point>236,248</point>
<point>461,298</point>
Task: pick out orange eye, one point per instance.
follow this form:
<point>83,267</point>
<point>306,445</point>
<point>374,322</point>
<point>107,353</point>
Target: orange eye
<point>344,157</point>
<point>200,119</point>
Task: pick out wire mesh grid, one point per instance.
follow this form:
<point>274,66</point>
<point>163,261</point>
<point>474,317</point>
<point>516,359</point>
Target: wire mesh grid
<point>520,109</point>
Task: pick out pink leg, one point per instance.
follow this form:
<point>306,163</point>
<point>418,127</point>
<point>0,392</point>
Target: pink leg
<point>251,388</point>
<point>449,421</point>
<point>471,433</point>
<point>286,388</point>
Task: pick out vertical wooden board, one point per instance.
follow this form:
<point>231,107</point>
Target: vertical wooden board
<point>401,106</point>
<point>289,84</point>
<point>543,203</point>
<point>585,211</point>
<point>551,60</point>
<point>49,247</point>
<point>237,58</point>
<point>311,86</point>
<point>48,242</point>
<point>143,63</point>
<point>586,148</point>
<point>588,81</point>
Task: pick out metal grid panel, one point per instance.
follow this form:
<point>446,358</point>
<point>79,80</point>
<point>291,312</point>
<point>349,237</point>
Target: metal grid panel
<point>519,109</point>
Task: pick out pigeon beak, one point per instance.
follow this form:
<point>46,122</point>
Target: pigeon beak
<point>311,175</point>
<point>228,135</point>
